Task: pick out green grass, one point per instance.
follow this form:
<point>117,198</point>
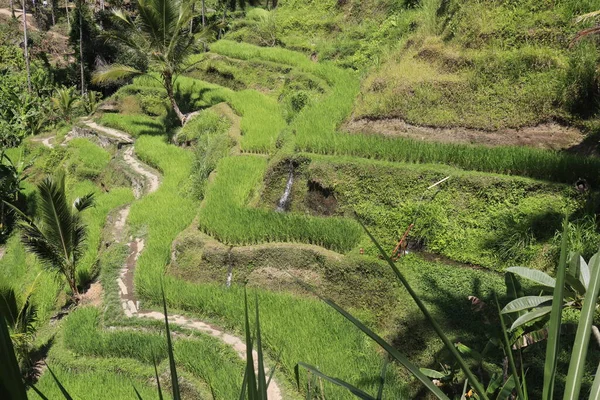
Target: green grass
<point>207,123</point>
<point>95,219</point>
<point>19,269</point>
<point>226,215</point>
<point>164,213</point>
<point>484,219</point>
<point>136,125</point>
<point>205,357</point>
<point>85,159</point>
<point>294,329</point>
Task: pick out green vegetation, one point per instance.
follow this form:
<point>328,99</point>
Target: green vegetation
<point>225,216</point>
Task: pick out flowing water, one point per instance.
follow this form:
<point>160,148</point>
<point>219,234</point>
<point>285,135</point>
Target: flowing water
<point>285,198</point>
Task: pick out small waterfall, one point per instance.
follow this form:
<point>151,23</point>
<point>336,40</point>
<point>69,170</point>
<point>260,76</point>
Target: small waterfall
<point>285,198</point>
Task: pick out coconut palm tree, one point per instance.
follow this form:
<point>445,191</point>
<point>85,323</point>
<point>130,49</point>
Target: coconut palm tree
<point>160,34</point>
<point>57,238</point>
<point>65,101</point>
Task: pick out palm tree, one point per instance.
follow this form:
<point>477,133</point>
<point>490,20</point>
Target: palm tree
<point>20,316</point>
<point>65,101</point>
<point>160,33</point>
<point>57,238</point>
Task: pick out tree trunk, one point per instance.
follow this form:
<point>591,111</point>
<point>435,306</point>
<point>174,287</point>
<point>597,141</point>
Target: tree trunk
<point>168,82</point>
<point>12,9</point>
<point>81,69</point>
<point>192,18</point>
<point>67,11</point>
<point>26,47</point>
<point>203,13</point>
<point>52,12</point>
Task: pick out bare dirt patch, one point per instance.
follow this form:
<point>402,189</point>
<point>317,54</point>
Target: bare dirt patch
<point>93,296</point>
<point>550,136</point>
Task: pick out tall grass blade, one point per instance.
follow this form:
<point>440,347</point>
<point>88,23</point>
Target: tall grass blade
<point>159,390</point>
<point>271,373</point>
<point>509,354</point>
<point>174,378</point>
<point>36,390</point>
<point>555,320</point>
<point>244,385</point>
<point>11,384</point>
<point>251,375</point>
<point>382,379</point>
<point>352,389</point>
<point>582,338</point>
<point>262,379</point>
<point>595,392</point>
<point>64,392</point>
<point>137,394</point>
<point>477,386</point>
<point>414,370</point>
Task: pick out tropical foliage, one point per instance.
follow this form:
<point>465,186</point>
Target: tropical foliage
<point>57,237</point>
<point>160,34</point>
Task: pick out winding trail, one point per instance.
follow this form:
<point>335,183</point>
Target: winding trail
<point>129,302</point>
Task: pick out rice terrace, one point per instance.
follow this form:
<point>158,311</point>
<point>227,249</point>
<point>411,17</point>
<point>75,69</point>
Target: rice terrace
<point>300,199</point>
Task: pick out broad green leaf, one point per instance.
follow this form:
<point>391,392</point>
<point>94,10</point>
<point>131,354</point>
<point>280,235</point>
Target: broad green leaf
<point>582,338</point>
<point>432,373</point>
<point>507,389</point>
<point>536,313</point>
<point>552,346</point>
<point>525,303</point>
<point>580,270</point>
<point>466,350</point>
<point>352,389</point>
<point>539,277</point>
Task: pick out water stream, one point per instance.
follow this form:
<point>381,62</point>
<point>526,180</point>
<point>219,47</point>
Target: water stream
<point>285,198</point>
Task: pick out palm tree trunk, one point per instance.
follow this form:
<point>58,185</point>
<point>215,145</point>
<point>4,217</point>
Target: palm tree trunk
<point>26,47</point>
<point>203,12</point>
<point>67,11</point>
<point>52,12</point>
<point>192,18</point>
<point>168,82</point>
<point>81,69</point>
<point>12,9</point>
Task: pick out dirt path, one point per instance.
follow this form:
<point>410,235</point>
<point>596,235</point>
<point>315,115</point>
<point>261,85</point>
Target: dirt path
<point>550,136</point>
<point>131,306</point>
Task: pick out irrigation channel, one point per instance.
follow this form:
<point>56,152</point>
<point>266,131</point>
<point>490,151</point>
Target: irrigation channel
<point>130,304</point>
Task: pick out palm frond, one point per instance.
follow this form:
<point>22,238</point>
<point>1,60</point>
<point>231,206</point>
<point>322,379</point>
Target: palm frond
<point>8,305</point>
<point>56,214</point>
<point>114,73</point>
<point>84,202</point>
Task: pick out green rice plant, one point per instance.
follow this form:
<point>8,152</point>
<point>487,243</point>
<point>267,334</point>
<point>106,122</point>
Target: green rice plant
<point>19,268</point>
<point>225,214</point>
<point>320,337</point>
<point>164,213</point>
<point>207,123</point>
<point>85,159</point>
<point>262,120</point>
<point>136,125</point>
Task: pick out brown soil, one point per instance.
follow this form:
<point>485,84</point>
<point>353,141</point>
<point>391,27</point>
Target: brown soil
<point>93,296</point>
<point>550,136</point>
